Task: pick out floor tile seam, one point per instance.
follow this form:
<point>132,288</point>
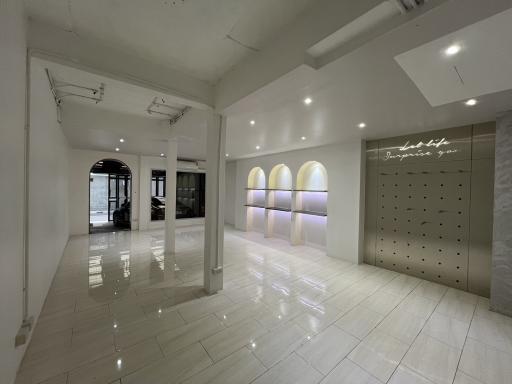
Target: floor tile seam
<point>444,342</point>
<point>412,343</point>
<point>212,363</point>
<point>310,365</point>
<point>61,354</point>
<point>509,353</point>
<point>344,357</point>
<point>300,342</point>
<point>384,317</point>
<point>146,365</point>
<point>465,340</point>
<point>364,369</point>
<point>80,365</point>
<point>149,337</point>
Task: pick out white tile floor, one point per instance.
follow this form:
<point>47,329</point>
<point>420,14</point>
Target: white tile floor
<point>120,312</point>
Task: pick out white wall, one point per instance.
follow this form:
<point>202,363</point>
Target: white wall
<point>48,190</point>
<point>230,193</point>
<point>345,171</point>
<point>12,115</point>
<point>80,163</point>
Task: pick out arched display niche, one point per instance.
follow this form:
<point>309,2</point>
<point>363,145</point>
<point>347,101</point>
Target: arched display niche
<point>279,202</point>
<point>255,204</point>
<point>309,220</point>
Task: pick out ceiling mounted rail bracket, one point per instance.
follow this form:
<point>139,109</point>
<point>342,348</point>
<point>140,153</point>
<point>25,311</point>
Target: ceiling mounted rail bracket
<point>159,107</point>
<point>56,87</point>
<point>178,117</point>
<point>54,94</point>
<point>97,94</point>
<point>406,6</point>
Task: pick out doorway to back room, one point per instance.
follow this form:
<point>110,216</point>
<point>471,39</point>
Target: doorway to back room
<point>110,183</point>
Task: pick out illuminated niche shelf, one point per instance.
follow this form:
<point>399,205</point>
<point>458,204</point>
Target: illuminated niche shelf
<point>309,214</point>
<point>255,200</point>
<point>279,202</point>
<point>313,213</point>
<point>279,209</point>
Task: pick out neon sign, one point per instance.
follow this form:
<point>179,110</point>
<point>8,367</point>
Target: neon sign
<point>431,148</point>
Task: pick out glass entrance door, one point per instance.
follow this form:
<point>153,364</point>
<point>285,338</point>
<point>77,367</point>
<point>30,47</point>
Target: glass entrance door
<point>118,193</point>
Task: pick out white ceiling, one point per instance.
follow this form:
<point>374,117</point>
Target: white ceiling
<point>189,35</point>
<point>366,85</point>
<point>484,62</point>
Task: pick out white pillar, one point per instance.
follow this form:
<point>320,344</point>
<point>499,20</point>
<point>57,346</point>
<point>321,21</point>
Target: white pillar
<point>170,197</point>
<point>214,221</point>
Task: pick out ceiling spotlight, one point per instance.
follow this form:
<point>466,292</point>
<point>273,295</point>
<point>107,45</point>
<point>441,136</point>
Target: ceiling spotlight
<point>308,100</point>
<point>303,138</point>
<point>452,50</point>
<point>362,125</point>
<point>471,102</point>
<point>121,140</point>
<point>162,155</point>
<point>258,147</point>
<point>227,154</point>
<point>117,149</point>
<point>252,122</point>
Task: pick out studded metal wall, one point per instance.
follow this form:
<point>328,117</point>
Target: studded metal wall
<point>418,206</point>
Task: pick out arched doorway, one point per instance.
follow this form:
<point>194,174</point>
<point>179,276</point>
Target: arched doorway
<point>110,191</point>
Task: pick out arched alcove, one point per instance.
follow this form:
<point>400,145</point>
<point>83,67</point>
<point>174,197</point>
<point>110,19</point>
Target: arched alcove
<point>312,176</point>
<point>279,202</point>
<point>256,179</point>
<point>280,178</point>
<point>256,187</point>
<point>110,191</point>
<point>309,224</point>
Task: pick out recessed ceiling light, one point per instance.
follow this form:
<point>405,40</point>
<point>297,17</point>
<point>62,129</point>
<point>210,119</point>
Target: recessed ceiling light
<point>258,147</point>
<point>308,100</point>
<point>121,140</point>
<point>303,138</point>
<point>362,125</point>
<point>227,154</point>
<point>452,50</point>
<point>117,149</point>
<point>471,102</point>
<point>252,122</point>
<point>162,155</point>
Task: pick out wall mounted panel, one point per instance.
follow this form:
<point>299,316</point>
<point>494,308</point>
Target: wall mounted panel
<point>420,216</point>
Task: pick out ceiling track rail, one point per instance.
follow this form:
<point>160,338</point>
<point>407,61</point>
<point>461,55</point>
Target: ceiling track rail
<point>56,88</point>
<point>159,102</point>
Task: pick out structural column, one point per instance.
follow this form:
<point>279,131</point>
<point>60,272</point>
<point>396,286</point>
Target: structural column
<point>214,221</point>
<point>501,272</point>
<point>170,197</point>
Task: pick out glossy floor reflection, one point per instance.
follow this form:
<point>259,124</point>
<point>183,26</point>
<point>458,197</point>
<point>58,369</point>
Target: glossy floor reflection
<point>120,312</point>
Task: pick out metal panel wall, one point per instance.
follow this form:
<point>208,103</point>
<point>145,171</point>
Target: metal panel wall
<point>420,218</point>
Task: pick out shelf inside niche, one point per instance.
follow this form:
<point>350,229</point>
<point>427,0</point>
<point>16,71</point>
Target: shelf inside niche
<point>279,209</point>
<point>310,190</point>
<point>254,206</point>
<point>279,189</point>
<point>312,213</point>
<point>255,189</point>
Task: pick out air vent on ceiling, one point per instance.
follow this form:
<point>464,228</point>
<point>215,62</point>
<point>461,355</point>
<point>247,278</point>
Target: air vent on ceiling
<point>409,5</point>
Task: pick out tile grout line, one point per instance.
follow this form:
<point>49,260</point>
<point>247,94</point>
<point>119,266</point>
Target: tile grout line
<point>419,333</point>
<point>465,339</point>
